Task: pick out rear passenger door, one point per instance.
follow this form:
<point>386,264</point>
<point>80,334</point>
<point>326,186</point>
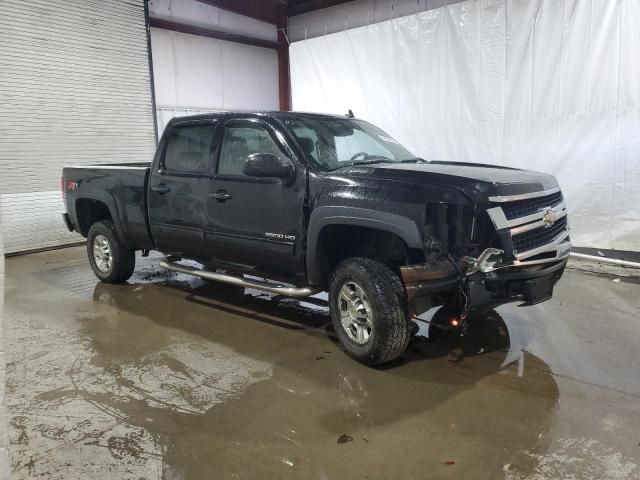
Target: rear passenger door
<point>178,188</point>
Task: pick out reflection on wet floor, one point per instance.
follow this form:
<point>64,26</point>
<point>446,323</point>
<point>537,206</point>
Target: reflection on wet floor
<point>172,377</point>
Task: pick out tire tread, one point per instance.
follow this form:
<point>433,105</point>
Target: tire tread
<point>390,306</point>
<point>124,256</point>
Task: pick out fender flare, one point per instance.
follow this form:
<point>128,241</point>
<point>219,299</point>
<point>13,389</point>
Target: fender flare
<point>112,205</point>
<point>321,217</point>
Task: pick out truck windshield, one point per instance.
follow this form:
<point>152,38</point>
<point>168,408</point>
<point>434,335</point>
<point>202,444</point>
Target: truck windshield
<point>334,143</point>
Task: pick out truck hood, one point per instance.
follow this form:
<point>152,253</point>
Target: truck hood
<point>477,181</point>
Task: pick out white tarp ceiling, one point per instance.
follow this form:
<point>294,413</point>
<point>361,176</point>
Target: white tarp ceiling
<point>547,85</point>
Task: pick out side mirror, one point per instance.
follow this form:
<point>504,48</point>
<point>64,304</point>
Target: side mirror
<point>268,165</point>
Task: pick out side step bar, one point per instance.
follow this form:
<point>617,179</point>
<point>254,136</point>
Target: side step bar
<point>296,292</point>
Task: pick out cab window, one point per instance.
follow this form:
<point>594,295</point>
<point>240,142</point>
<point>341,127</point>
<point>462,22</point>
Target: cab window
<point>189,149</point>
<point>243,140</point>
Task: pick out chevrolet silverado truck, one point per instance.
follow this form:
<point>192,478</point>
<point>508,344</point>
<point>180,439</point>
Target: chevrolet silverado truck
<point>297,203</point>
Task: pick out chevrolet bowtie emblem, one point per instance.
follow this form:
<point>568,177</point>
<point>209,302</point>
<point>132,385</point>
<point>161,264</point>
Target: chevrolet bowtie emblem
<point>549,218</point>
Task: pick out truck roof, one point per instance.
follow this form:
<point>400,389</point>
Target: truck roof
<point>275,114</point>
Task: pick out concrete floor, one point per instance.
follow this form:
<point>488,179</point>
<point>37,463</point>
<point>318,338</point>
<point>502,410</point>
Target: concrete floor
<point>169,377</point>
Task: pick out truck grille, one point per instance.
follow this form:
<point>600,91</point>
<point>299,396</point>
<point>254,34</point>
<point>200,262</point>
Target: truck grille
<point>522,208</point>
<point>531,226</point>
<point>538,237</point>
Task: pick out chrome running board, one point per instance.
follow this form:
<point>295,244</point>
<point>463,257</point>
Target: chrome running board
<point>287,291</point>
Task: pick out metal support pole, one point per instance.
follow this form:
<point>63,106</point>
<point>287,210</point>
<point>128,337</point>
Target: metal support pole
<point>610,261</point>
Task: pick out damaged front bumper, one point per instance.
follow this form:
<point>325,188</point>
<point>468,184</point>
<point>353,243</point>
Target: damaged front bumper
<point>486,281</point>
<point>532,285</point>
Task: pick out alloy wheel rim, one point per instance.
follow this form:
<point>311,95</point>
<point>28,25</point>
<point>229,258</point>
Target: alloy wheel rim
<point>356,315</point>
<point>102,253</point>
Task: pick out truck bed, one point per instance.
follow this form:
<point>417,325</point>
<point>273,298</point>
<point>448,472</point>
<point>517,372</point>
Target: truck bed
<point>121,188</point>
<point>112,166</point>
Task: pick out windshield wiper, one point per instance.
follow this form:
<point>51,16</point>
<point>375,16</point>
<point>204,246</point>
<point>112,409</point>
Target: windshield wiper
<point>368,162</point>
<point>380,159</point>
<point>414,160</point>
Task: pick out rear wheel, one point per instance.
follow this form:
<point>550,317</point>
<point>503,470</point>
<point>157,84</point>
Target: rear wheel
<point>368,310</point>
<point>111,261</point>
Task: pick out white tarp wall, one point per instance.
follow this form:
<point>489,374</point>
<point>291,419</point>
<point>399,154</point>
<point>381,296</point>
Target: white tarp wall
<point>549,85</point>
<point>195,74</point>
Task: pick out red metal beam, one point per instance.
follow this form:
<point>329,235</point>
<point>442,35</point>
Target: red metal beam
<point>284,79</point>
<point>284,82</point>
<point>207,32</point>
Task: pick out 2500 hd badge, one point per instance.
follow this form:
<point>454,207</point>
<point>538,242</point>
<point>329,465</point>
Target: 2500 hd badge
<point>280,236</point>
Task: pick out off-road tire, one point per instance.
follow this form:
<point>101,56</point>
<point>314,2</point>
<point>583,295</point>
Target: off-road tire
<point>123,258</point>
<point>385,292</point>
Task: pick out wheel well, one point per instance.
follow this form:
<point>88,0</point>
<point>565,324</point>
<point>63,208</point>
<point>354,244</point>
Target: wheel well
<point>89,212</point>
<point>339,242</point>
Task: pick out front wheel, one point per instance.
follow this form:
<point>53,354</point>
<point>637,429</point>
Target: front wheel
<point>368,310</point>
<point>111,261</point>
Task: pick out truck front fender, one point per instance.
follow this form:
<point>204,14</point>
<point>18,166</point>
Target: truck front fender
<point>321,217</point>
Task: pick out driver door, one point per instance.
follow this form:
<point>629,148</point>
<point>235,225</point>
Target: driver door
<point>254,222</point>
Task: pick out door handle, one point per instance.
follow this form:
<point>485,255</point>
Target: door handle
<point>220,196</point>
<point>161,189</point>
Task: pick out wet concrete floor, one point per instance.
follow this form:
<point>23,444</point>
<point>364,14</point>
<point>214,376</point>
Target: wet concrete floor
<point>170,377</point>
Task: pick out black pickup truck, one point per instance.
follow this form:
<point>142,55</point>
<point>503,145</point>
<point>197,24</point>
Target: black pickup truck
<point>315,202</point>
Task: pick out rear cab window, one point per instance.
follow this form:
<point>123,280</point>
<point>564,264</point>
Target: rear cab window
<point>189,149</point>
